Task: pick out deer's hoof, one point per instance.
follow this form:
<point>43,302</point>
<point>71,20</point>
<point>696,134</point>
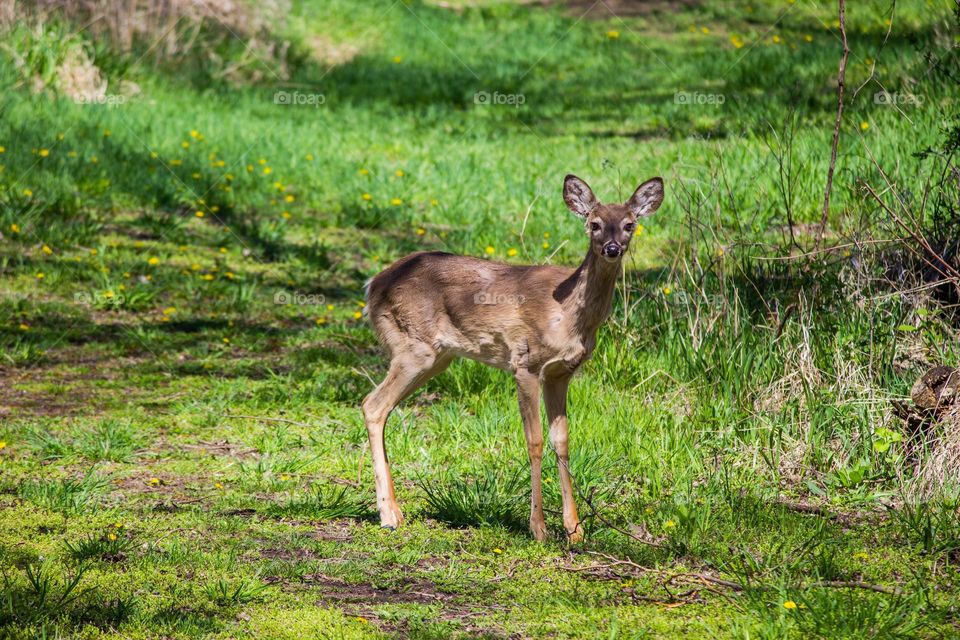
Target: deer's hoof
<point>388,527</point>
<point>575,537</point>
<point>539,531</point>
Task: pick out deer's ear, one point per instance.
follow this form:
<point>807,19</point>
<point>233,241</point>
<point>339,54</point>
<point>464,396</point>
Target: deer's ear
<point>578,196</point>
<point>647,198</point>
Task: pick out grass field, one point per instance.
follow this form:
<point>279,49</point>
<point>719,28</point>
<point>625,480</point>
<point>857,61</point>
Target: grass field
<point>183,350</point>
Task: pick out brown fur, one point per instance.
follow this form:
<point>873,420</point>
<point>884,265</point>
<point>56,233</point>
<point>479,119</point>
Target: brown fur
<point>539,322</point>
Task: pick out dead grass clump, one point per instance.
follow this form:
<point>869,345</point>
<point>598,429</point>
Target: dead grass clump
<point>941,469</point>
<point>172,30</point>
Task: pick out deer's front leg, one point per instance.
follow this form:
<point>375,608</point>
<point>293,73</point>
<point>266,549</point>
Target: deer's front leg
<point>555,396</point>
<point>528,389</point>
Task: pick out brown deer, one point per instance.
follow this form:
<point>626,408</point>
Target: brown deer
<point>538,322</point>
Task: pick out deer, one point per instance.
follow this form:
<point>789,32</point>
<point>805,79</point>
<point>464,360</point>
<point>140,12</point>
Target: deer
<point>538,322</point>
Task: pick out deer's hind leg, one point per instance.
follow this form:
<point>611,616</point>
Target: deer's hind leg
<point>409,369</point>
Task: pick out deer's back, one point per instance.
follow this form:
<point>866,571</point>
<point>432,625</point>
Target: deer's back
<point>472,307</point>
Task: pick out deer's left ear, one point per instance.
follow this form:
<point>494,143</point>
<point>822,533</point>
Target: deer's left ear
<point>647,198</point>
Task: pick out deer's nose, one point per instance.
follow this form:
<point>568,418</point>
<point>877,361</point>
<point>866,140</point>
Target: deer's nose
<point>612,250</point>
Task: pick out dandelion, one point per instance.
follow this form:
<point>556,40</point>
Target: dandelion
<point>207,277</point>
<point>44,153</point>
<point>28,193</point>
<point>421,231</point>
<point>434,202</point>
<point>396,202</point>
<point>94,252</point>
<point>185,144</point>
<point>511,252</point>
<point>40,275</point>
<point>47,250</point>
<point>226,341</point>
<point>399,173</point>
<point>613,34</point>
<point>670,524</point>
<point>15,228</point>
<point>154,482</point>
<point>24,327</point>
<point>666,291</point>
<point>3,445</point>
<point>176,163</point>
<point>195,175</point>
<point>3,149</point>
<point>289,197</point>
<point>153,260</point>
<point>639,230</point>
<point>776,39</point>
<point>362,620</point>
<point>223,249</point>
<point>199,214</point>
<point>397,59</point>
<point>111,537</point>
<point>361,303</point>
<point>218,485</point>
<point>736,42</point>
<point>490,250</point>
<point>108,294</point>
<point>864,125</point>
<point>285,215</point>
<point>107,133</point>
<point>321,321</point>
<point>309,157</point>
<point>808,38</point>
<point>364,172</point>
<point>546,245</point>
<point>267,171</point>
<point>329,307</point>
<point>498,550</point>
<point>357,315</point>
<point>790,604</point>
<point>169,311</point>
<point>194,133</point>
<point>704,30</point>
<point>195,267</point>
<point>367,197</point>
<point>229,275</point>
<point>72,154</point>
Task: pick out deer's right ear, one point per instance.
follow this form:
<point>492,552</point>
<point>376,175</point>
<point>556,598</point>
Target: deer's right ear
<point>578,196</point>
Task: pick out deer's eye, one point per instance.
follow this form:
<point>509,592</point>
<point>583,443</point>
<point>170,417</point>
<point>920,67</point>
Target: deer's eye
<point>628,228</point>
<point>595,226</point>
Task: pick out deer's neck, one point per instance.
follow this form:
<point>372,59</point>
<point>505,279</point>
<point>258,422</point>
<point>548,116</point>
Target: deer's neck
<point>594,281</point>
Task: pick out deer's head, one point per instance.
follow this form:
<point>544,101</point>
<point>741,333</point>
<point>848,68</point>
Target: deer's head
<point>611,226</point>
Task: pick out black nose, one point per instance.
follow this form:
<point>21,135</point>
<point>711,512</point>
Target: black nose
<point>612,250</point>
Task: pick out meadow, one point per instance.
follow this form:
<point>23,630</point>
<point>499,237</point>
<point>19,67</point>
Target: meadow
<point>183,349</point>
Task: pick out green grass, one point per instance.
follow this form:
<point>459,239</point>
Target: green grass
<point>183,453</point>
